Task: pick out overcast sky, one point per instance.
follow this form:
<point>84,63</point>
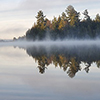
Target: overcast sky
<point>17,16</point>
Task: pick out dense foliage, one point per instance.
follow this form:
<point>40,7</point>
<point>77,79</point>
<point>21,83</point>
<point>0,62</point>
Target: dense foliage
<point>68,25</point>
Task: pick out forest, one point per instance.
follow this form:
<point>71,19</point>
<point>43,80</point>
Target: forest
<point>67,25</point>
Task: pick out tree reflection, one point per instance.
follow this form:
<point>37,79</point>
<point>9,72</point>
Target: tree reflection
<point>67,58</point>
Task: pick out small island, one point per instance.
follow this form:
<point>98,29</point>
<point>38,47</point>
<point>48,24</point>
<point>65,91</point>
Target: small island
<point>67,25</point>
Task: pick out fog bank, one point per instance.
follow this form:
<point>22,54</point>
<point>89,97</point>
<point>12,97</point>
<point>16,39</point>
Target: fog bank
<point>67,42</point>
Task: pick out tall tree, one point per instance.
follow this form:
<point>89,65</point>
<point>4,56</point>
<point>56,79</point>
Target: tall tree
<point>40,20</point>
<point>63,16</point>
<point>97,18</point>
<point>63,21</point>
<point>73,15</point>
<point>54,23</point>
<point>86,15</point>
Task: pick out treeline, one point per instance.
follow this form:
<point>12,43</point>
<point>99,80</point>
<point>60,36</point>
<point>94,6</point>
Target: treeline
<point>67,25</point>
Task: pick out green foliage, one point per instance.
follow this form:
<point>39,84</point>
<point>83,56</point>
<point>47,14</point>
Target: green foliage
<point>86,16</point>
<point>40,20</point>
<point>68,25</point>
<point>73,15</point>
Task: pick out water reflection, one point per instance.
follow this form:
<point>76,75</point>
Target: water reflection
<point>20,79</point>
<point>68,58</point>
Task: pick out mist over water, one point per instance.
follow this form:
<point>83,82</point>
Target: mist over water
<point>67,54</point>
<point>63,51</point>
<point>30,74</point>
<point>66,42</point>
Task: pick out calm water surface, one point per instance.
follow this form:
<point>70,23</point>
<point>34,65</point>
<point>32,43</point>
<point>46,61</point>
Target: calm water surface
<point>49,72</point>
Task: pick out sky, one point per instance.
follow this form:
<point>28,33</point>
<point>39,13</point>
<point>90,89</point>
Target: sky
<point>17,16</point>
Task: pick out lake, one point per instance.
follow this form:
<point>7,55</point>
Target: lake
<point>50,70</point>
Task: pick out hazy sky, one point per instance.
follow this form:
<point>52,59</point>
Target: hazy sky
<point>17,16</point>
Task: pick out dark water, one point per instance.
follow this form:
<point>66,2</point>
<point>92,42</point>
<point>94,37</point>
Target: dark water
<point>50,72</point>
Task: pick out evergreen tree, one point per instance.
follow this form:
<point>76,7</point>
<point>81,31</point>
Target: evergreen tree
<point>67,25</point>
<point>86,16</point>
<point>73,15</point>
<point>40,20</point>
<point>97,18</point>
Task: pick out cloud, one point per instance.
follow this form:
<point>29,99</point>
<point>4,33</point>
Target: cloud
<point>10,32</point>
<point>18,10</point>
<point>46,5</point>
<point>56,7</point>
<point>8,5</point>
<point>14,28</point>
<point>50,4</point>
<point>49,7</point>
